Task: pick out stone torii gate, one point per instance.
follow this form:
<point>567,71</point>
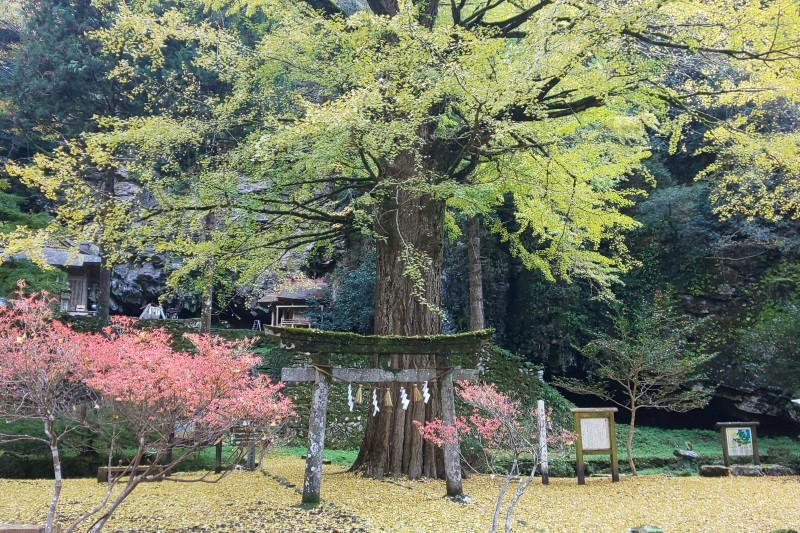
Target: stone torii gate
<point>315,367</point>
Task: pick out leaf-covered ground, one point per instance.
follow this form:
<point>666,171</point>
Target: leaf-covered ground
<point>257,502</point>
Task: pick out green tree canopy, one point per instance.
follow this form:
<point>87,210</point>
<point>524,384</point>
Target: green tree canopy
<point>385,119</point>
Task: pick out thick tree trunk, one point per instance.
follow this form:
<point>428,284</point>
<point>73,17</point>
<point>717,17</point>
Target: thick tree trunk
<point>476,319</point>
<point>408,224</point>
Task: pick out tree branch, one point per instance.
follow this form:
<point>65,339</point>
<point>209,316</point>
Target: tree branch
<point>665,41</point>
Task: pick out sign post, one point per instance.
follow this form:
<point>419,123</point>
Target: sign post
<point>542,422</point>
<point>596,436</point>
<point>739,440</point>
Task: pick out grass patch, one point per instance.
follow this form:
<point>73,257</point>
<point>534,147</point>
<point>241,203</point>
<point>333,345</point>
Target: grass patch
<point>652,449</point>
<point>336,457</point>
<point>657,442</point>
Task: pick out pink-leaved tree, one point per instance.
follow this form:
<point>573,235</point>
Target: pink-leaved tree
<point>152,390</point>
<point>500,428</point>
<point>38,380</point>
<point>128,380</point>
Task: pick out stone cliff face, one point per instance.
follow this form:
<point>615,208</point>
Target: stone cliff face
<point>137,284</point>
<point>744,287</point>
<point>770,406</point>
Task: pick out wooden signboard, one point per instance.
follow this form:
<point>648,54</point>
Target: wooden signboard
<point>596,436</point>
<point>739,440</point>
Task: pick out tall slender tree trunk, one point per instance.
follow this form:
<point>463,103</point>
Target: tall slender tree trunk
<point>207,297</point>
<point>98,526</point>
<point>104,289</point>
<point>206,310</point>
<point>409,231</point>
<point>476,318</point>
<point>207,303</point>
<point>51,511</point>
<point>629,442</point>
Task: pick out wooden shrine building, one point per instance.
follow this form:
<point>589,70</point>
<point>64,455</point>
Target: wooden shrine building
<point>81,266</point>
<point>290,303</point>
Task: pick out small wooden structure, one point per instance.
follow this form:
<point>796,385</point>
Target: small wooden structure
<point>81,266</point>
<point>317,369</point>
<point>290,303</point>
<point>596,436</point>
<point>739,440</point>
<point>25,528</point>
<point>246,435</point>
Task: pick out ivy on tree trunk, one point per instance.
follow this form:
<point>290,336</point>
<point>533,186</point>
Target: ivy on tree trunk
<point>409,243</point>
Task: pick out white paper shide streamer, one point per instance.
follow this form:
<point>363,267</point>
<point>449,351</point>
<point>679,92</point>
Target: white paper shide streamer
<point>375,407</point>
<point>350,400</point>
<point>426,393</point>
<point>404,398</point>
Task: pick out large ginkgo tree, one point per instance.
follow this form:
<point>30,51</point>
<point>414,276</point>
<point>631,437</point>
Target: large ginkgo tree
<point>386,117</point>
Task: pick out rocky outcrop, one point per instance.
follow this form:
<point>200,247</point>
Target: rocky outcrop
<point>139,283</point>
<point>686,454</point>
<point>776,470</point>
<point>686,458</point>
<point>743,402</point>
<point>745,470</point>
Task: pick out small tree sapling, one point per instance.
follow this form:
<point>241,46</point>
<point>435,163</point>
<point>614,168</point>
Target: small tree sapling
<point>129,380</point>
<point>652,365</point>
<point>150,389</point>
<point>502,428</point>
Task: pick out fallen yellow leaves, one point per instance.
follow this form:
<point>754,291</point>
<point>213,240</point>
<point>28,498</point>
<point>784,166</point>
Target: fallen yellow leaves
<point>254,502</point>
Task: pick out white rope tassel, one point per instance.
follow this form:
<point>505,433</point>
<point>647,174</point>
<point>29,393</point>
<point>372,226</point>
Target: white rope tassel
<point>375,407</point>
<point>426,393</point>
<point>350,400</point>
<point>404,398</point>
